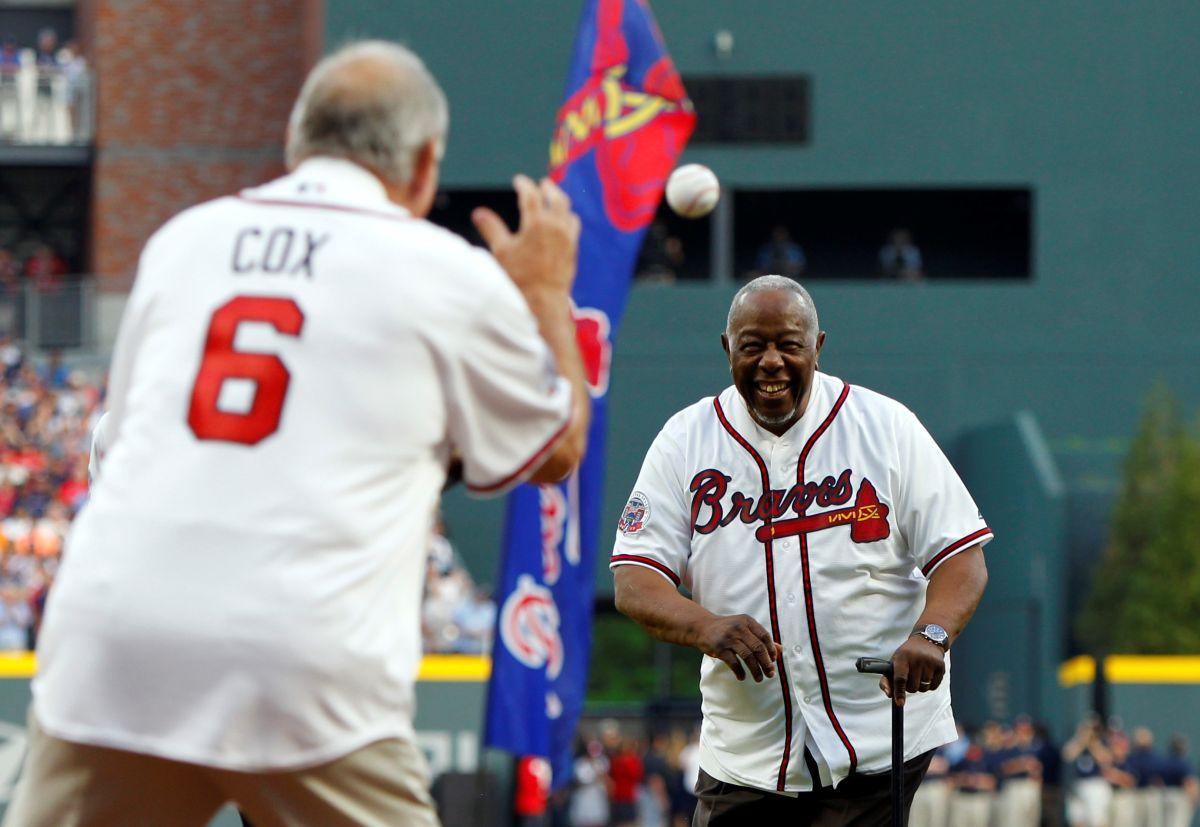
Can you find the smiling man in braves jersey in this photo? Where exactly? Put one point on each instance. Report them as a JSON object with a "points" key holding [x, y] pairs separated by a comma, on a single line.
{"points": [[814, 522]]}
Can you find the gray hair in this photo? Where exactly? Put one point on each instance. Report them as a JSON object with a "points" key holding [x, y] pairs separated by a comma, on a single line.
{"points": [[763, 283], [371, 102]]}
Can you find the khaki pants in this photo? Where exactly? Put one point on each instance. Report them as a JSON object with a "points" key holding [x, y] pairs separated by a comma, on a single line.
{"points": [[931, 804], [1177, 808], [1021, 803], [74, 785], [971, 809]]}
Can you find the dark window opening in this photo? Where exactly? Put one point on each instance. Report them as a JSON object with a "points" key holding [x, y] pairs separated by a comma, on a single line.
{"points": [[729, 110], [893, 234]]}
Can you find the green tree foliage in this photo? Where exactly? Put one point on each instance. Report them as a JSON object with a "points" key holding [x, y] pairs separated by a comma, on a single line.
{"points": [[1146, 593]]}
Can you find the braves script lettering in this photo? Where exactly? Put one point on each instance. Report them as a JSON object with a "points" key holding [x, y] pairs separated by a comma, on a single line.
{"points": [[710, 487]]}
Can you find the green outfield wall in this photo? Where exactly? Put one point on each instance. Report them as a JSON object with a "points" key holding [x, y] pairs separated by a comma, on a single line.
{"points": [[1092, 106]]}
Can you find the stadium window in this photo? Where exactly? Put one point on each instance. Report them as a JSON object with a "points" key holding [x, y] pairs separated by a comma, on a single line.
{"points": [[958, 233], [773, 109], [674, 249], [452, 209]]}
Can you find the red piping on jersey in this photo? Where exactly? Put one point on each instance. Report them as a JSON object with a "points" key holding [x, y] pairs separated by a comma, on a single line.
{"points": [[528, 464], [768, 555], [953, 547], [646, 561], [283, 202], [808, 599]]}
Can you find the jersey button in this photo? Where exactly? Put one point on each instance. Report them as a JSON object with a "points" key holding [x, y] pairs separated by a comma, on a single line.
{"points": [[786, 544], [797, 649], [791, 598]]}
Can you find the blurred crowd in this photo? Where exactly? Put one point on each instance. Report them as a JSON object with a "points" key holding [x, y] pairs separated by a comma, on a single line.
{"points": [[457, 615], [35, 263], [44, 91], [618, 780], [46, 418], [1001, 776]]}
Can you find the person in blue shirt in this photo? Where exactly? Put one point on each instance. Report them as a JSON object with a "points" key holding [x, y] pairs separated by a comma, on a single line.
{"points": [[780, 256], [974, 782], [1181, 789], [1088, 756], [1021, 777]]}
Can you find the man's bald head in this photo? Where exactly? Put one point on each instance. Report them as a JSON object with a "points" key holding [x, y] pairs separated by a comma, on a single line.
{"points": [[373, 103], [764, 283]]}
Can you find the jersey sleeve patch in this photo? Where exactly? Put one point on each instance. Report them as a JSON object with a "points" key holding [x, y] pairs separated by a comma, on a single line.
{"points": [[636, 514]]}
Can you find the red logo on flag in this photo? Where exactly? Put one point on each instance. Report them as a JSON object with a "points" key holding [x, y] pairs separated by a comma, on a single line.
{"points": [[593, 335]]}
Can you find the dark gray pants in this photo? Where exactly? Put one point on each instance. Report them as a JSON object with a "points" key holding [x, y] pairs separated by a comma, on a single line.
{"points": [[860, 801]]}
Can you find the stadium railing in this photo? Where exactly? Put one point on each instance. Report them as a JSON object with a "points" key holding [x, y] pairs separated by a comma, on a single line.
{"points": [[44, 317]]}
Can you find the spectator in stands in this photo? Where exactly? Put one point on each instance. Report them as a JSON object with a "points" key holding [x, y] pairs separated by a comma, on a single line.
{"points": [[532, 791], [75, 71], [1021, 777], [1146, 766], [1051, 759], [47, 48], [1181, 789], [10, 101], [626, 771], [684, 806], [661, 256], [589, 799], [657, 779], [780, 255], [1121, 777], [16, 619], [11, 357], [10, 273], [900, 258], [475, 618], [1091, 796], [974, 788], [45, 268]]}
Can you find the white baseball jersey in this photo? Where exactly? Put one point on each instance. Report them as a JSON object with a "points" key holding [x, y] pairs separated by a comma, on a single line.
{"points": [[825, 536], [99, 447], [294, 370]]}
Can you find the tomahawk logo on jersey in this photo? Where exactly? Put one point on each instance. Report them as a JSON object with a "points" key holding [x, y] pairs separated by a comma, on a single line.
{"points": [[817, 534]]}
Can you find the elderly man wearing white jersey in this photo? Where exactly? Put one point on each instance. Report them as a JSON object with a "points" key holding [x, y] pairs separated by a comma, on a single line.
{"points": [[814, 522], [237, 615]]}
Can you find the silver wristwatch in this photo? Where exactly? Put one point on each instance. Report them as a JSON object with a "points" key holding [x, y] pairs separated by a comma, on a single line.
{"points": [[934, 634]]}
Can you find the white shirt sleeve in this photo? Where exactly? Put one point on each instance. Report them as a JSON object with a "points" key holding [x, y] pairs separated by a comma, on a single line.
{"points": [[507, 403], [655, 529], [937, 515]]}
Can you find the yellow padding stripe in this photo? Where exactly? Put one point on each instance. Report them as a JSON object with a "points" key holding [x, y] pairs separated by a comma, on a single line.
{"points": [[455, 668], [444, 668], [1132, 669], [17, 664], [1077, 670]]}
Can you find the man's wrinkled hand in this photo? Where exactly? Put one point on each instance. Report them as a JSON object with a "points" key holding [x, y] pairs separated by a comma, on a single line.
{"points": [[917, 666], [738, 640], [541, 254]]}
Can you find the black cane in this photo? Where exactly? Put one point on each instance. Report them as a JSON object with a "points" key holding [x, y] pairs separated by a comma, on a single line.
{"points": [[876, 666]]}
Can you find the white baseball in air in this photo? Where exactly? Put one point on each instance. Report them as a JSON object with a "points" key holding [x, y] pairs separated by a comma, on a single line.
{"points": [[693, 190]]}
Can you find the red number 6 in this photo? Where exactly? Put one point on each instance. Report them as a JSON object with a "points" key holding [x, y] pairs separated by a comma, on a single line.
{"points": [[222, 362]]}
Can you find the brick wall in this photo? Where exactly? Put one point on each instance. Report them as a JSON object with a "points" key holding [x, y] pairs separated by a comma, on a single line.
{"points": [[193, 102]]}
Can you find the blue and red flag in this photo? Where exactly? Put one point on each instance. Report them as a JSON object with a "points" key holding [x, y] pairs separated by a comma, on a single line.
{"points": [[617, 136]]}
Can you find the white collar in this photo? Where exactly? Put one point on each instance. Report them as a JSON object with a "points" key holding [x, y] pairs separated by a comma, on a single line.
{"points": [[331, 181], [797, 432]]}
